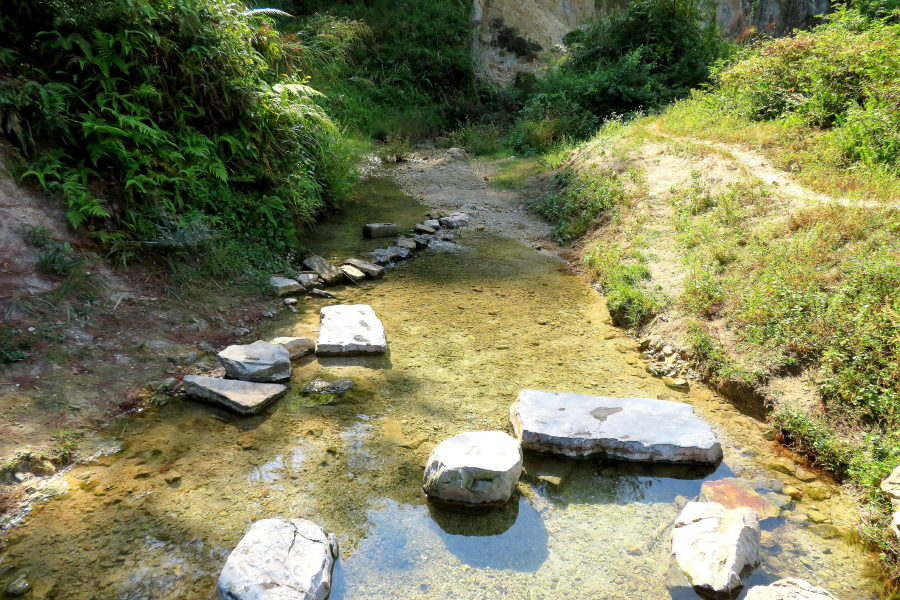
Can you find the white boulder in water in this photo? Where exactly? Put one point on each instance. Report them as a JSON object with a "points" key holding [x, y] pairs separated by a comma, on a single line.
{"points": [[280, 560], [478, 467], [260, 361], [638, 429], [788, 589], [714, 547], [350, 329]]}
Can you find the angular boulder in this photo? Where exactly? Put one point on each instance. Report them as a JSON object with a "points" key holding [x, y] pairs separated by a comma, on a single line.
{"points": [[350, 329], [244, 397], [296, 346], [284, 286], [380, 230], [891, 486], [433, 224], [462, 219], [637, 429], [329, 273], [405, 242], [260, 361], [372, 271], [477, 467], [421, 240], [788, 589], [448, 222], [714, 547], [308, 280], [734, 493], [352, 274], [385, 256], [280, 560], [422, 228]]}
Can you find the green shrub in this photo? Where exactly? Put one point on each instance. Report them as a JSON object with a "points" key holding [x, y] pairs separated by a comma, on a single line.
{"points": [[477, 138], [191, 108], [13, 345], [623, 279]]}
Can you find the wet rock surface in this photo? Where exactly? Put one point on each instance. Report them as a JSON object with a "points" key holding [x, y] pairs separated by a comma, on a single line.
{"points": [[320, 386], [329, 273], [714, 546], [734, 493], [637, 429], [244, 397], [280, 560], [481, 468], [372, 271], [788, 589], [350, 329], [259, 362]]}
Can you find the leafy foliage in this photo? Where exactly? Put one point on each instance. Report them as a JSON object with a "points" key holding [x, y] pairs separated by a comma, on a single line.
{"points": [[194, 108]]}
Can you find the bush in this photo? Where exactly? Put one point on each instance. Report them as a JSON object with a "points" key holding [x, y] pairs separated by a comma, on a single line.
{"points": [[193, 108], [477, 138]]}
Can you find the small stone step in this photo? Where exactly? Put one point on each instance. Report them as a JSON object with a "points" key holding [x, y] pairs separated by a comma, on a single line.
{"points": [[350, 329], [329, 273], [476, 468], [448, 223], [380, 230], [405, 242], [285, 287], [243, 397], [420, 228], [433, 224], [296, 346], [260, 362], [372, 271], [352, 274]]}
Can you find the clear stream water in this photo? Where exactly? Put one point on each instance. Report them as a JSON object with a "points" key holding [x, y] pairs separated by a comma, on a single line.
{"points": [[467, 331]]}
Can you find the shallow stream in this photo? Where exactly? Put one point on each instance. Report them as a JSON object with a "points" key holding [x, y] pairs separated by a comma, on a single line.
{"points": [[467, 331]]}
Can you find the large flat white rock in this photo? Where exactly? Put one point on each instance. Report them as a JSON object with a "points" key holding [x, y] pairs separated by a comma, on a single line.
{"points": [[350, 329], [638, 429], [241, 396], [280, 560], [714, 547], [788, 589], [476, 467]]}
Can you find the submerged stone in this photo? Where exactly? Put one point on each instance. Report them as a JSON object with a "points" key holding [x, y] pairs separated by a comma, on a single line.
{"points": [[244, 397], [350, 329], [329, 273], [280, 560], [714, 546], [734, 493], [788, 589], [260, 361], [320, 386], [478, 467], [638, 429]]}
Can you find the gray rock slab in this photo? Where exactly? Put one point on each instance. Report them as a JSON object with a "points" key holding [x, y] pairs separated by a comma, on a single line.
{"points": [[448, 222], [329, 273], [321, 293], [296, 346], [244, 397], [433, 224], [477, 467], [421, 240], [352, 274], [405, 242], [380, 230], [462, 219], [308, 280], [638, 429], [350, 329], [385, 256], [422, 228], [280, 560], [260, 362], [372, 271], [713, 546], [788, 589], [285, 287]]}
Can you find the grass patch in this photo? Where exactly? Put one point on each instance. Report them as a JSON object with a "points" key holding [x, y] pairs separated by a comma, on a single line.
{"points": [[624, 279], [513, 174]]}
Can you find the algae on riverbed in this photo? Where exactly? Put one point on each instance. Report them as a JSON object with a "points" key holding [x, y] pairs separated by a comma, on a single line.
{"points": [[466, 331]]}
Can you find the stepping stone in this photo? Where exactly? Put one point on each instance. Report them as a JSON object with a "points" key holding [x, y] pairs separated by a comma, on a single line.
{"points": [[284, 286], [713, 546], [352, 274], [433, 224], [244, 397], [478, 467], [409, 244], [350, 329], [329, 273], [788, 589], [421, 241], [260, 361], [296, 346], [385, 256], [380, 230], [320, 386], [638, 429], [462, 219], [734, 493], [448, 223], [421, 228], [280, 560], [322, 293], [372, 271], [308, 280]]}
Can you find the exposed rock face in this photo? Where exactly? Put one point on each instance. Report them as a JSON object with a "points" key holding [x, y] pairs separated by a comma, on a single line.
{"points": [[284, 286], [296, 346], [260, 361], [280, 560], [788, 589], [713, 546], [734, 493], [479, 467], [372, 271], [380, 230], [350, 329], [773, 17], [329, 273], [243, 397], [637, 429], [891, 487]]}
